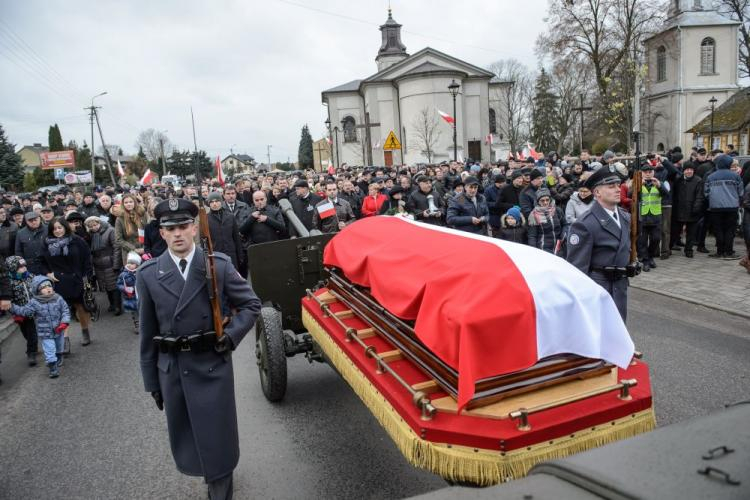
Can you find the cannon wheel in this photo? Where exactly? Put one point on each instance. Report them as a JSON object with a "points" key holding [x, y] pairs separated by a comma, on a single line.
{"points": [[270, 355]]}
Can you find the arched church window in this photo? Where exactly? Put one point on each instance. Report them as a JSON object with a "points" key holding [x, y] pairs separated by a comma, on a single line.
{"points": [[708, 56], [660, 147], [493, 122], [350, 130], [661, 64]]}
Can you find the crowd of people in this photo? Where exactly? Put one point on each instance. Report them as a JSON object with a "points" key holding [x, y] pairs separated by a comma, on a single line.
{"points": [[56, 244]]}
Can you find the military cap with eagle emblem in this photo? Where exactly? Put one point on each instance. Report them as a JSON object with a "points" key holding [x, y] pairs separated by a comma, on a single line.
{"points": [[175, 211]]}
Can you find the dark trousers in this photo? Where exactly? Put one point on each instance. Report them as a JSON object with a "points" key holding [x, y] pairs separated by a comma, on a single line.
{"points": [[28, 329], [648, 241], [221, 489], [702, 231], [724, 225], [691, 231], [666, 224]]}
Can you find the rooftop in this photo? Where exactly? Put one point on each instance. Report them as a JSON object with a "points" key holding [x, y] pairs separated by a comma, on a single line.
{"points": [[732, 115]]}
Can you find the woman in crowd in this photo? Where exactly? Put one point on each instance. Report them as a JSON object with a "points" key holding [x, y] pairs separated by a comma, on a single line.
{"points": [[103, 257], [67, 260], [375, 203], [546, 223], [579, 204], [129, 227]]}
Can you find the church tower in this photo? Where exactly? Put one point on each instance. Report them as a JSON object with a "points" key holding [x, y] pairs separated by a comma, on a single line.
{"points": [[693, 58], [392, 50]]}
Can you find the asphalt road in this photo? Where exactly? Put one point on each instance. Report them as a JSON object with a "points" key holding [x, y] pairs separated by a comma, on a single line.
{"points": [[94, 433]]}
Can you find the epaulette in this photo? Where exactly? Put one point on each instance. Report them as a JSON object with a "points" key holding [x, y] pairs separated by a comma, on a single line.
{"points": [[146, 264]]}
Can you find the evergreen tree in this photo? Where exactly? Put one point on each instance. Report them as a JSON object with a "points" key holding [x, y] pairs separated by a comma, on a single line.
{"points": [[55, 139], [305, 149], [181, 163], [11, 166], [544, 114]]}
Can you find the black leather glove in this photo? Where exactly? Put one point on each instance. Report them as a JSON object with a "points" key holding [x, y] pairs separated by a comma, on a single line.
{"points": [[158, 400], [224, 344]]}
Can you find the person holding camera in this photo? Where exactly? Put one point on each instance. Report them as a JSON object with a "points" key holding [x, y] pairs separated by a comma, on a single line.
{"points": [[649, 217], [425, 204], [265, 222]]}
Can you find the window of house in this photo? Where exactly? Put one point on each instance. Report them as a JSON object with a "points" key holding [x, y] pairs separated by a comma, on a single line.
{"points": [[708, 56], [661, 64], [350, 130], [493, 122]]}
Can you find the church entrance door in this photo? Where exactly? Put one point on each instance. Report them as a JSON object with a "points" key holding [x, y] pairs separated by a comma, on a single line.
{"points": [[475, 150], [388, 157]]}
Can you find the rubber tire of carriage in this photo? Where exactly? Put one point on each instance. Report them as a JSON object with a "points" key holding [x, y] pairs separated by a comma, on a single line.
{"points": [[270, 354]]}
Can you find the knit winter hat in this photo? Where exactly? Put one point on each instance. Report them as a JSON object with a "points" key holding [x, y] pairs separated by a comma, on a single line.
{"points": [[14, 262], [514, 212], [214, 196], [134, 258], [541, 193]]}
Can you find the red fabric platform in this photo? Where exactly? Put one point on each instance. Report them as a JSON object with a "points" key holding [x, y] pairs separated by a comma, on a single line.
{"points": [[473, 431]]}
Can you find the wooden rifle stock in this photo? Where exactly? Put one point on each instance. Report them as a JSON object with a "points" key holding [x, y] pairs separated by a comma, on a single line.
{"points": [[634, 199], [211, 282]]}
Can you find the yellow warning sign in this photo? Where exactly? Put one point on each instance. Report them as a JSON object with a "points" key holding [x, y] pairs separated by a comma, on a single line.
{"points": [[391, 142]]}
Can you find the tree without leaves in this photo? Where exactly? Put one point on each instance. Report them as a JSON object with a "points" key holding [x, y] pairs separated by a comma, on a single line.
{"points": [[739, 10], [150, 141], [11, 165], [516, 100], [426, 132], [305, 154], [568, 87]]}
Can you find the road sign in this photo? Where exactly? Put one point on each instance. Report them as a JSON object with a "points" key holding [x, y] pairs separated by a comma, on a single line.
{"points": [[57, 159], [59, 173], [391, 142]]}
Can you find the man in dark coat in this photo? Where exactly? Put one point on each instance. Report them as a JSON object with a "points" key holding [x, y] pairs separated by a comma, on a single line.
{"points": [[468, 211], [30, 243], [342, 211], [225, 234], [703, 168], [303, 204], [88, 208], [688, 203], [239, 209], [8, 231], [265, 222], [491, 195], [418, 203], [527, 197], [508, 197], [599, 241], [187, 370]]}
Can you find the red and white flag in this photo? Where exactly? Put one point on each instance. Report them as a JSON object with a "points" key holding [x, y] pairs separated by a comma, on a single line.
{"points": [[326, 209], [445, 116], [483, 320], [219, 171], [120, 171], [488, 139], [529, 151], [148, 177]]}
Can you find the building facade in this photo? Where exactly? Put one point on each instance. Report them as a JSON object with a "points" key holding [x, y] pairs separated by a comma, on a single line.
{"points": [[692, 59], [406, 97], [30, 156], [238, 163]]}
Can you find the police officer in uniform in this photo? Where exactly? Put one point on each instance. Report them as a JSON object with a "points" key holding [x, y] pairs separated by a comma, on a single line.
{"points": [[185, 368], [599, 241]]}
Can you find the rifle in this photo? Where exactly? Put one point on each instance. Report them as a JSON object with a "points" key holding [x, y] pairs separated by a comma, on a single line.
{"points": [[634, 267], [207, 246]]}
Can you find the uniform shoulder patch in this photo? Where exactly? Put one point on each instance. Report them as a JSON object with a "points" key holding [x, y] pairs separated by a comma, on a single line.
{"points": [[574, 239]]}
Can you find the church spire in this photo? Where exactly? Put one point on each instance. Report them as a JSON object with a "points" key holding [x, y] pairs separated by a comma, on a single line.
{"points": [[392, 49]]}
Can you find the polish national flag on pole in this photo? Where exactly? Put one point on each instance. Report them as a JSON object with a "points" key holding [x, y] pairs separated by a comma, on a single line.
{"points": [[219, 171], [488, 139], [530, 151], [326, 209], [490, 320], [120, 171], [445, 116], [148, 177]]}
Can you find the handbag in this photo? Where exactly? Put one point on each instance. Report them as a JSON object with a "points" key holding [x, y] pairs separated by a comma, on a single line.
{"points": [[89, 300]]}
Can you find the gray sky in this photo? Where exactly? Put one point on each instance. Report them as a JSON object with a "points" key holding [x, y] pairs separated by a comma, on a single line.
{"points": [[252, 71]]}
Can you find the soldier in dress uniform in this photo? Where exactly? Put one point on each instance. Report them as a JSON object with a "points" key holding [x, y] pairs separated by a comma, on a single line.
{"points": [[187, 370], [599, 241]]}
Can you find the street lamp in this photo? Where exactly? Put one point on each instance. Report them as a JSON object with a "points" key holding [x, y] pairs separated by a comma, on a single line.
{"points": [[330, 135], [453, 89], [713, 101]]}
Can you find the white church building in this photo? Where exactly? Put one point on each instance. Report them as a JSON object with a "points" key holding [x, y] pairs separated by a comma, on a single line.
{"points": [[692, 59], [404, 91]]}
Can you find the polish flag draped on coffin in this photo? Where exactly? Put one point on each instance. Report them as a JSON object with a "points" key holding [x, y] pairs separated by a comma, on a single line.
{"points": [[484, 306]]}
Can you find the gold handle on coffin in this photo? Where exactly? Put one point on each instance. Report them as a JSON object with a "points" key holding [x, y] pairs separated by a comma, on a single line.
{"points": [[522, 414]]}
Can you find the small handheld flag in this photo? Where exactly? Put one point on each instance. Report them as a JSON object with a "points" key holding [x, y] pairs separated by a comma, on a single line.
{"points": [[326, 209]]}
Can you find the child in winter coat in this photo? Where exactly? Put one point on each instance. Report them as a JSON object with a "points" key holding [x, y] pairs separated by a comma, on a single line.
{"points": [[513, 226], [126, 285], [51, 315], [20, 284]]}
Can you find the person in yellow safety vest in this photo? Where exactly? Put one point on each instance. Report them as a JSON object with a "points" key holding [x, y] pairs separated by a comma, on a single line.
{"points": [[649, 216]]}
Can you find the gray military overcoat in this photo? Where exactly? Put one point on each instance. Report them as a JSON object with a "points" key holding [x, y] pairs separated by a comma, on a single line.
{"points": [[594, 241], [198, 388]]}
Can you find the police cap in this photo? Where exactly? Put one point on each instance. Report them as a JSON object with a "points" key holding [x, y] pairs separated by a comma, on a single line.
{"points": [[175, 211], [607, 174]]}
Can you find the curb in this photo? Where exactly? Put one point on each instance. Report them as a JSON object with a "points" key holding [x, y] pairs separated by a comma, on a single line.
{"points": [[694, 301]]}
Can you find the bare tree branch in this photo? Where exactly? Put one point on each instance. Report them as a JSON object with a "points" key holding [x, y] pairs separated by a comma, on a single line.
{"points": [[426, 132]]}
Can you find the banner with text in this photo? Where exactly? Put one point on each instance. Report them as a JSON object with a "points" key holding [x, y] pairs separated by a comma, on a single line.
{"points": [[57, 159]]}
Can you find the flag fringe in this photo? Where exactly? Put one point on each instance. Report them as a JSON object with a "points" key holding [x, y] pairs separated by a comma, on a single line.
{"points": [[459, 463]]}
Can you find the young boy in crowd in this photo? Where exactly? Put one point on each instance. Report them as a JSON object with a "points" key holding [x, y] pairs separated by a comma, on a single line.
{"points": [[20, 283], [126, 285], [513, 227], [51, 315]]}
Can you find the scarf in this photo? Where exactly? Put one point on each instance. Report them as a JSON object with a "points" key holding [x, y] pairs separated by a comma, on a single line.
{"points": [[588, 200], [45, 299], [58, 246], [542, 215]]}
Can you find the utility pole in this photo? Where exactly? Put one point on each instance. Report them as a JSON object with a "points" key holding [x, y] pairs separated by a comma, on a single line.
{"points": [[268, 152], [104, 146], [92, 109], [580, 110], [163, 162]]}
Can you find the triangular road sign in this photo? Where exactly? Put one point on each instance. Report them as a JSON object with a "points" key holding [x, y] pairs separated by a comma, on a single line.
{"points": [[391, 142]]}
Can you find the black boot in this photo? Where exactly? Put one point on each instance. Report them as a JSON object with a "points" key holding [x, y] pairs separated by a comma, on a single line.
{"points": [[118, 303], [112, 300], [86, 340], [31, 357]]}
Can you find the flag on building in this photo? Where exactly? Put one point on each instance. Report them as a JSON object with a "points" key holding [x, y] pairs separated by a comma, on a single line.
{"points": [[148, 177], [488, 139], [445, 116], [120, 171], [530, 152], [529, 305], [219, 171], [326, 209]]}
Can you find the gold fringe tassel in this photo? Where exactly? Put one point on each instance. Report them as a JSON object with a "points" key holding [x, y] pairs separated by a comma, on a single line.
{"points": [[459, 463]]}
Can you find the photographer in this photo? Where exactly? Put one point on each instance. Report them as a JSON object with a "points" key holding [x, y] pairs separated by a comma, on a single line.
{"points": [[649, 216], [265, 222], [426, 204]]}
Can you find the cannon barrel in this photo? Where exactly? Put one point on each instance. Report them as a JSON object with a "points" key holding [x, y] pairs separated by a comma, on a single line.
{"points": [[286, 209]]}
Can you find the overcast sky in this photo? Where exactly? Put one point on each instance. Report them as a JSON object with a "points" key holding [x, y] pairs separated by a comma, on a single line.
{"points": [[252, 71]]}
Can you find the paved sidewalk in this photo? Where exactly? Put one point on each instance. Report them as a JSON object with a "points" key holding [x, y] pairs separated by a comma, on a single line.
{"points": [[716, 283]]}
